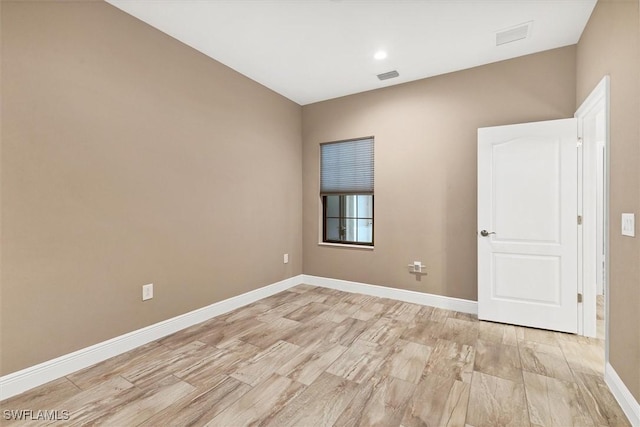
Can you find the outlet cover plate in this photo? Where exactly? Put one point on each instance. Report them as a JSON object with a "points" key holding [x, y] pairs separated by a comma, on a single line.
{"points": [[628, 225], [147, 292]]}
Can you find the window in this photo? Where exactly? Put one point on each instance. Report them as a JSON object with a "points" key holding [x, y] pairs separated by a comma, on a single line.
{"points": [[346, 189]]}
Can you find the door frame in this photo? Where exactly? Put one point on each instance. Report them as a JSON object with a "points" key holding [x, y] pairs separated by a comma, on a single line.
{"points": [[597, 101]]}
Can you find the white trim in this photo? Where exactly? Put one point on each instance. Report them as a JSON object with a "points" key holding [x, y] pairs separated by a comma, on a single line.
{"points": [[344, 245], [449, 303], [20, 381], [597, 101], [629, 405]]}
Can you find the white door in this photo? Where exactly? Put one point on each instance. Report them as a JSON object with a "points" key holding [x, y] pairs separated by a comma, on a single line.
{"points": [[527, 225]]}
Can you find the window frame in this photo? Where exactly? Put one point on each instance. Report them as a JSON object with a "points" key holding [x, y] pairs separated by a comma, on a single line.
{"points": [[343, 242], [342, 217]]}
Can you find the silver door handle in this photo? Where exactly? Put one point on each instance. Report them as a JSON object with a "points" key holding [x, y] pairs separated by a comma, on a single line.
{"points": [[485, 233]]}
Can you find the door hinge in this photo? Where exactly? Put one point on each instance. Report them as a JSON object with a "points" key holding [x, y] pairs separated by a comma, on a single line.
{"points": [[579, 298], [579, 144], [579, 219]]}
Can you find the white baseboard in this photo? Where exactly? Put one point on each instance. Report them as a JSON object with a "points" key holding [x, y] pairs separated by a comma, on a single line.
{"points": [[625, 399], [449, 303], [18, 382]]}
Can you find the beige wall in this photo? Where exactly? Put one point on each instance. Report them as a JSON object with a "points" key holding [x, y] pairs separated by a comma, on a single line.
{"points": [[609, 45], [425, 189], [129, 158]]}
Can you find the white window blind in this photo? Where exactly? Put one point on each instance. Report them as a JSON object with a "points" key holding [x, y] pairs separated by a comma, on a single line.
{"points": [[346, 167]]}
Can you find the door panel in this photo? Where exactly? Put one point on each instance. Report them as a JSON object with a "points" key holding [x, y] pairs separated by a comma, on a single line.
{"points": [[527, 200], [542, 286], [516, 166]]}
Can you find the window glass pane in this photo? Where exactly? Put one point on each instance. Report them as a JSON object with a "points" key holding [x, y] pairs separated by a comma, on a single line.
{"points": [[365, 206], [350, 206], [332, 206], [351, 230], [333, 229], [364, 231]]}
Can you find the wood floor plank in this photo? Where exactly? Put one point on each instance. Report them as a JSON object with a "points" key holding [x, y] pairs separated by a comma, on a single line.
{"points": [[107, 405], [601, 404], [307, 312], [408, 360], [339, 312], [103, 371], [464, 316], [319, 405], [347, 331], [282, 298], [190, 334], [460, 331], [247, 312], [147, 405], [403, 312], [306, 366], [47, 396], [452, 360], [267, 334], [537, 335], [259, 404], [90, 399], [359, 362], [97, 399], [435, 314], [331, 296], [149, 373], [544, 360], [359, 299], [225, 332], [309, 333], [277, 312], [498, 360], [438, 401], [354, 412], [369, 310], [495, 401], [224, 361], [497, 333], [384, 331], [425, 332], [587, 358], [553, 402], [200, 407], [301, 288], [265, 363], [382, 404], [309, 297]]}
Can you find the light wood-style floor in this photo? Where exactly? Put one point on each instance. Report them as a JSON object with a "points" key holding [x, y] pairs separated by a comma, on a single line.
{"points": [[319, 357]]}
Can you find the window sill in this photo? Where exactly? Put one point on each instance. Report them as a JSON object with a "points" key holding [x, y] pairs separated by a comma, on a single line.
{"points": [[340, 245]]}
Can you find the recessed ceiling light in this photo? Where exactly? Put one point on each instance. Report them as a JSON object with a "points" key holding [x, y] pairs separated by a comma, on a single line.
{"points": [[381, 54]]}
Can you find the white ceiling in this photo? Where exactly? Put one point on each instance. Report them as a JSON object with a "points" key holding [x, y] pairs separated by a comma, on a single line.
{"points": [[313, 50]]}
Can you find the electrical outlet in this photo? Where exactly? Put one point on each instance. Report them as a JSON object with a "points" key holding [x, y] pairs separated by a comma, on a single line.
{"points": [[147, 292], [285, 259], [628, 224]]}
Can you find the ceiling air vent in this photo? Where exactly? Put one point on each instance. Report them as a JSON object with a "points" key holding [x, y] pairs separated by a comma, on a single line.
{"points": [[519, 32], [388, 75]]}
